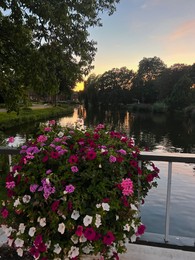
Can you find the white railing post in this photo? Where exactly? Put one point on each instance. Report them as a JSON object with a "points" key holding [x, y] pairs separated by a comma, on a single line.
{"points": [[10, 162], [168, 202]]}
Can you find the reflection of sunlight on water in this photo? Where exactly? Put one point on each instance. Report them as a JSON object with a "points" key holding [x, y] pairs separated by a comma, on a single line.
{"points": [[69, 120]]}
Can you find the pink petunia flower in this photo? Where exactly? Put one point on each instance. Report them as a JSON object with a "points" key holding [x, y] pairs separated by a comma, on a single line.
{"points": [[127, 186], [11, 139], [74, 169], [79, 231], [91, 155], [69, 188]]}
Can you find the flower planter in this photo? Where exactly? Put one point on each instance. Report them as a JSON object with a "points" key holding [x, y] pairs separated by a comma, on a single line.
{"points": [[74, 191]]}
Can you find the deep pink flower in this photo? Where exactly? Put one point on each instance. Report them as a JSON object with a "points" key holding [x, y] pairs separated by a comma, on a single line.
{"points": [[141, 230], [134, 163], [34, 252], [52, 122], [73, 159], [38, 240], [55, 205], [150, 177], [47, 129], [11, 139], [54, 155], [108, 238], [90, 233], [33, 187], [91, 155], [4, 213], [41, 139], [42, 247], [79, 231], [45, 159]]}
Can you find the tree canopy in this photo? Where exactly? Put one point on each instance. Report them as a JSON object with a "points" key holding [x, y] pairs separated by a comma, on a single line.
{"points": [[45, 46]]}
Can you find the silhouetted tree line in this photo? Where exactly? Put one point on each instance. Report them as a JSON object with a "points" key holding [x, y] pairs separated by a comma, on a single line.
{"points": [[153, 83]]}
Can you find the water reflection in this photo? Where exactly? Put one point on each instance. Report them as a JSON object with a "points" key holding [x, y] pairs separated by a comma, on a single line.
{"points": [[172, 132]]}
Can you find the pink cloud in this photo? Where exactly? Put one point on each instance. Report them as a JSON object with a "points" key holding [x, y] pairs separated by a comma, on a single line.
{"points": [[183, 30]]}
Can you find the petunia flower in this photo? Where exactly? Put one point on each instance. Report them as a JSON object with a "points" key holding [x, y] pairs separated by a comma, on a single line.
{"points": [[87, 220], [75, 215], [61, 228]]}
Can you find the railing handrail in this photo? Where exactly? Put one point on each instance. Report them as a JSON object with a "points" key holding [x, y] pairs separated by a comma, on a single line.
{"points": [[9, 150], [167, 157]]}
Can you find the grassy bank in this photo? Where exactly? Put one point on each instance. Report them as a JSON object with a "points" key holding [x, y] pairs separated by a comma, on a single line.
{"points": [[27, 115]]}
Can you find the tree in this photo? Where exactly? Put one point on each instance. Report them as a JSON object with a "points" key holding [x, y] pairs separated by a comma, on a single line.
{"points": [[143, 86], [180, 96], [48, 29]]}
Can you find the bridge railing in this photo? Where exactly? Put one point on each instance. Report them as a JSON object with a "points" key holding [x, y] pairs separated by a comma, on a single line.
{"points": [[170, 158]]}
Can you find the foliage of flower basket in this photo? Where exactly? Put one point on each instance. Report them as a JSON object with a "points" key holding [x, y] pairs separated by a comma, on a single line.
{"points": [[75, 192]]}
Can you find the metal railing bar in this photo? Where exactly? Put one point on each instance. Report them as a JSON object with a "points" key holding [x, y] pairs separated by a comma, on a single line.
{"points": [[168, 202]]}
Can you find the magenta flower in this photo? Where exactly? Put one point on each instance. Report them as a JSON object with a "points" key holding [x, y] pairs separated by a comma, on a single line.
{"points": [[79, 231], [54, 155], [10, 184], [4, 213], [112, 159], [55, 205], [91, 155], [74, 169], [47, 129], [33, 187], [11, 139], [73, 159], [108, 238], [52, 122], [41, 139], [141, 230], [134, 163], [69, 188], [127, 186], [90, 233]]}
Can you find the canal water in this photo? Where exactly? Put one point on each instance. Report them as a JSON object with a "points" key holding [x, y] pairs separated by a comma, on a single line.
{"points": [[158, 133]]}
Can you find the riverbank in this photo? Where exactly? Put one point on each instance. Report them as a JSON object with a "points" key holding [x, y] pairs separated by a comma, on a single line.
{"points": [[37, 112]]}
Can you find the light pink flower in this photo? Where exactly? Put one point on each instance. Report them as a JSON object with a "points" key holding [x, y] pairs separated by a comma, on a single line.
{"points": [[74, 169]]}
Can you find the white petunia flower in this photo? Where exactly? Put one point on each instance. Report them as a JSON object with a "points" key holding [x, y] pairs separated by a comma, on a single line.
{"points": [[7, 230], [57, 249], [87, 220], [82, 239], [133, 207], [60, 134], [133, 238], [98, 220], [105, 206], [32, 231], [48, 244], [21, 228], [42, 221], [10, 241], [74, 251], [75, 239], [98, 206], [19, 242], [75, 215], [26, 198], [126, 227], [87, 249], [17, 202], [61, 228], [117, 217], [19, 252]]}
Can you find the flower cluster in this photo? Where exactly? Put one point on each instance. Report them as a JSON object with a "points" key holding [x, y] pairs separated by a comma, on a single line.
{"points": [[75, 192]]}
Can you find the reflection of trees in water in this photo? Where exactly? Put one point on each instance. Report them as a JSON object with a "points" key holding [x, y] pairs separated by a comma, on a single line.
{"points": [[171, 131]]}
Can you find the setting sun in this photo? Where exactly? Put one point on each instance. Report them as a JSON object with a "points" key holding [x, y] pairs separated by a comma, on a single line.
{"points": [[79, 86]]}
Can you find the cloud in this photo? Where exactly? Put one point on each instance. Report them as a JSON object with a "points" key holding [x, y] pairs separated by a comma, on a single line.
{"points": [[184, 30]]}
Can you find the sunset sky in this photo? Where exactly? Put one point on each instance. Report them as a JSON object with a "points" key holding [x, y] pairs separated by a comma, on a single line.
{"points": [[145, 28]]}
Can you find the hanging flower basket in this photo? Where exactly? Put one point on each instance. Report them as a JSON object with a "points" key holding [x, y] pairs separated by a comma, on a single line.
{"points": [[75, 192]]}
